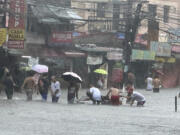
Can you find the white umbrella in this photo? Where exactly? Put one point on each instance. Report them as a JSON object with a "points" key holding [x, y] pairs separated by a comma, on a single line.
{"points": [[71, 76], [40, 68]]}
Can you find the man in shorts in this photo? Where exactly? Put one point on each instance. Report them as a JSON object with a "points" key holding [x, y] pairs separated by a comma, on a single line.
{"points": [[29, 86], [114, 94], [156, 84], [55, 89]]}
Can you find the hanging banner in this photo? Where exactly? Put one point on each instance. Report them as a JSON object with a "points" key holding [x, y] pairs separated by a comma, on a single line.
{"points": [[17, 24], [3, 34], [142, 55], [161, 49], [94, 60]]}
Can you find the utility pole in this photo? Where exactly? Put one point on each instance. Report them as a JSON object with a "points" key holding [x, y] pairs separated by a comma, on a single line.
{"points": [[130, 33]]}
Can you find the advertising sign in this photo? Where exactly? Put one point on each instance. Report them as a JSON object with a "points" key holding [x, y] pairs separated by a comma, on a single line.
{"points": [[114, 56], [17, 19], [94, 60], [120, 35], [165, 60], [3, 34], [60, 39], [163, 37], [16, 34], [175, 48], [16, 44], [17, 24], [142, 55], [161, 49]]}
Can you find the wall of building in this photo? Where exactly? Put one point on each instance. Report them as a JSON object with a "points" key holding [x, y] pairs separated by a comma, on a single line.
{"points": [[82, 7], [173, 22]]}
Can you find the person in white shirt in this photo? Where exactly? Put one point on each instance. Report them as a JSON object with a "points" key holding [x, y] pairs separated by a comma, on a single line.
{"points": [[94, 94], [149, 82], [136, 96], [55, 89]]}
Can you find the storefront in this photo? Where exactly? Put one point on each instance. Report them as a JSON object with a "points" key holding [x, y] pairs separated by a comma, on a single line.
{"points": [[141, 65], [166, 64], [115, 68]]}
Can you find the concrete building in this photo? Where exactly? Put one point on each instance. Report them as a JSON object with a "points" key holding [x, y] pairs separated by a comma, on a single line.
{"points": [[102, 15], [166, 13]]}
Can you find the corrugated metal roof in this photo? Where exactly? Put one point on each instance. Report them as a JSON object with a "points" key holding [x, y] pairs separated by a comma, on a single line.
{"points": [[47, 13]]}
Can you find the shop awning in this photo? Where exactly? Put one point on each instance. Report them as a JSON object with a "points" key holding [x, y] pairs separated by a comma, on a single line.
{"points": [[94, 48], [44, 52], [74, 54]]}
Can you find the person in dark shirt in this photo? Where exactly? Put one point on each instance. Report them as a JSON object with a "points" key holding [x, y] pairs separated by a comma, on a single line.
{"points": [[9, 86], [43, 85]]}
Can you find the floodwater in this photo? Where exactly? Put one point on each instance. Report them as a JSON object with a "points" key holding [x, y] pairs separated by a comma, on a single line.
{"points": [[157, 117]]}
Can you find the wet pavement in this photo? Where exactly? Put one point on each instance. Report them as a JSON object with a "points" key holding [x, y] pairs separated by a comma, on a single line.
{"points": [[157, 117]]}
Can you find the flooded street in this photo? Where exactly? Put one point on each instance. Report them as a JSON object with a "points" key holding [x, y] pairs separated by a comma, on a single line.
{"points": [[19, 117]]}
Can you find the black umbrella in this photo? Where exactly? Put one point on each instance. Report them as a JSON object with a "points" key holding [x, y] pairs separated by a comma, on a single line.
{"points": [[71, 77]]}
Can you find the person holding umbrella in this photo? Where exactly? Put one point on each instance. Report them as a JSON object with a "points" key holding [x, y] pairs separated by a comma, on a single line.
{"points": [[73, 92], [55, 89], [74, 85], [101, 80]]}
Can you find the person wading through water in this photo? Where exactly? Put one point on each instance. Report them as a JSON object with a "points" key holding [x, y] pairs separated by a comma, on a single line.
{"points": [[29, 86]]}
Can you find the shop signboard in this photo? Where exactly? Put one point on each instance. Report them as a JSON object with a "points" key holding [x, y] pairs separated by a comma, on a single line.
{"points": [[165, 60], [60, 39], [163, 37], [137, 54], [3, 35], [94, 60], [120, 35], [16, 20], [17, 24], [78, 34], [161, 48], [175, 48], [114, 56], [16, 34], [16, 44], [142, 55]]}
